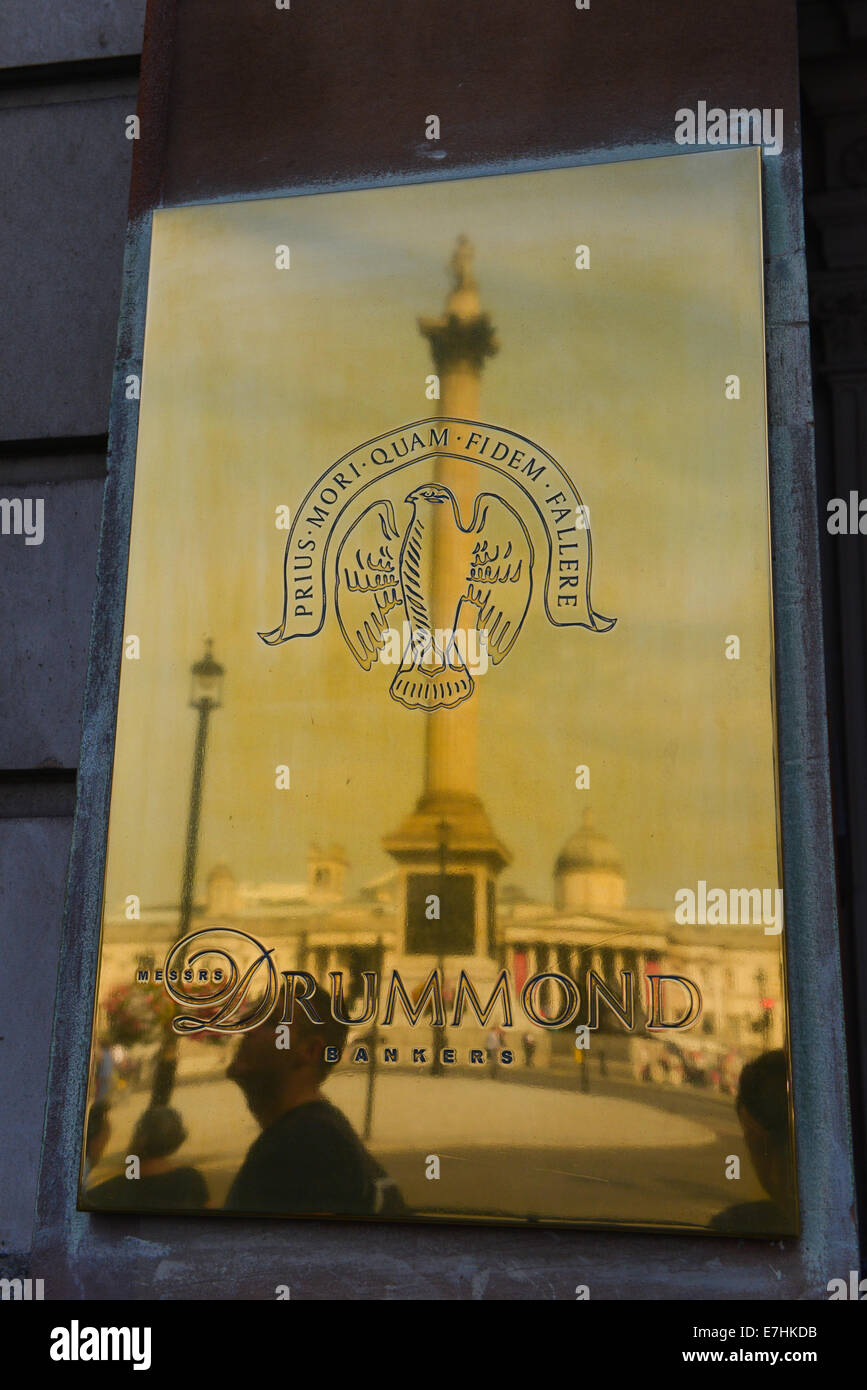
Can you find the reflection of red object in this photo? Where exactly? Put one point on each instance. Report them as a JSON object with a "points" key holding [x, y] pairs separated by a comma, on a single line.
{"points": [[520, 970], [652, 968], [134, 1013], [447, 990], [767, 1003]]}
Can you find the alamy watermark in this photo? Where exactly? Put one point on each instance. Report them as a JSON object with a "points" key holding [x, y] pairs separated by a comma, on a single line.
{"points": [[847, 516], [856, 1289], [77, 1343], [438, 647], [737, 126], [22, 1290], [23, 517], [716, 907]]}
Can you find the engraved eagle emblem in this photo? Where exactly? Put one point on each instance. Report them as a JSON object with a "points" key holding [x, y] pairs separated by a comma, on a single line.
{"points": [[481, 583]]}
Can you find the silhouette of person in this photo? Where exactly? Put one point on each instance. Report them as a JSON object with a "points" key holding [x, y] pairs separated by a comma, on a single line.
{"points": [[162, 1185], [97, 1135], [103, 1069], [308, 1157], [492, 1044], [763, 1110], [583, 1068]]}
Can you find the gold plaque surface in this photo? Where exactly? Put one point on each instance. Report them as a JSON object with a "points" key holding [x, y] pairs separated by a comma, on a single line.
{"points": [[443, 875]]}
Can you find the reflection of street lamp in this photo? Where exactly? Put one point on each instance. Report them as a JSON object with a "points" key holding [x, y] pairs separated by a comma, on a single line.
{"points": [[206, 694], [439, 1034], [373, 1041]]}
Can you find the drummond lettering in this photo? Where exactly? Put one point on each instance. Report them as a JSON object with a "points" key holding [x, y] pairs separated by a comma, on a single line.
{"points": [[248, 996]]}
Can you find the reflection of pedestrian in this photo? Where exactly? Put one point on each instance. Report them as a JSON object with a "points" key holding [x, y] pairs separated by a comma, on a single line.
{"points": [[121, 1065], [308, 1157], [103, 1069], [162, 1185], [583, 1068], [97, 1135], [492, 1043], [528, 1042]]}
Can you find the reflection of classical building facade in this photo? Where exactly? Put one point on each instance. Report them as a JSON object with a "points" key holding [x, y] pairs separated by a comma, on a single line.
{"points": [[591, 928], [316, 925]]}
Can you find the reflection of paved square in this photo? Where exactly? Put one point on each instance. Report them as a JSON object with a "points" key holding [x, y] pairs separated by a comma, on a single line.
{"points": [[420, 1111], [504, 1147], [679, 1186]]}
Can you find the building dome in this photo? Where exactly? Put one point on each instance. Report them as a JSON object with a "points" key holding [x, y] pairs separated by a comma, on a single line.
{"points": [[587, 849], [588, 874]]}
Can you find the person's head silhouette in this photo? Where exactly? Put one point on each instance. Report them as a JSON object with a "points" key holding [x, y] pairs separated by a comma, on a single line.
{"points": [[275, 1078], [763, 1110], [159, 1132]]}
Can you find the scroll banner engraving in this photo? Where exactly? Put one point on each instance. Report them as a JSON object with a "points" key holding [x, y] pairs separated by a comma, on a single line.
{"points": [[328, 509]]}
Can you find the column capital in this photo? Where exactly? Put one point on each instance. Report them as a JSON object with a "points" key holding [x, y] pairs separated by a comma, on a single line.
{"points": [[462, 334], [455, 341]]}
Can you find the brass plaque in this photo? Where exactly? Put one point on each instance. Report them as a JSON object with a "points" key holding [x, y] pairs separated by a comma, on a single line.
{"points": [[443, 870]]}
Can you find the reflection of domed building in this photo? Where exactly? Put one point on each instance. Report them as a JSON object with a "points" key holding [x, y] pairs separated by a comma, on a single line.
{"points": [[590, 926], [588, 875]]}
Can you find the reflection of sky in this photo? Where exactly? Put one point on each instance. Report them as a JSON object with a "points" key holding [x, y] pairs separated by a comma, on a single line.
{"points": [[255, 380]]}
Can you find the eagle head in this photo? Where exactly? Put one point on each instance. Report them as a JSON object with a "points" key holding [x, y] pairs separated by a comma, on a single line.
{"points": [[429, 492]]}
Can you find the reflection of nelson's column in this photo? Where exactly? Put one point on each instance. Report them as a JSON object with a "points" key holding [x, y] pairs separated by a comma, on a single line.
{"points": [[447, 846]]}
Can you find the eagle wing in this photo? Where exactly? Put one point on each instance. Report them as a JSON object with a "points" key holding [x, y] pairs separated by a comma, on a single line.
{"points": [[499, 572], [368, 583]]}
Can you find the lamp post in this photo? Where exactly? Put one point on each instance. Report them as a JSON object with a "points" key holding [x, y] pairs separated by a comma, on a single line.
{"points": [[373, 1042], [206, 694], [439, 1034]]}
